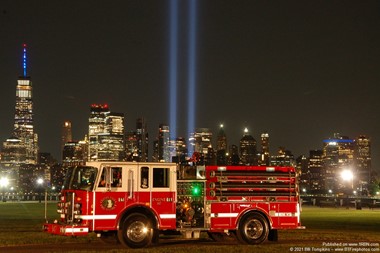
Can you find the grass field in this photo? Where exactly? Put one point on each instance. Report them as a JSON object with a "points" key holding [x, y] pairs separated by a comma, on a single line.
{"points": [[21, 223]]}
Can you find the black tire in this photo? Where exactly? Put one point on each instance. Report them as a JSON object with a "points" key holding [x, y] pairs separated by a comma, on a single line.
{"points": [[273, 235], [136, 231], [253, 229], [109, 238], [156, 236]]}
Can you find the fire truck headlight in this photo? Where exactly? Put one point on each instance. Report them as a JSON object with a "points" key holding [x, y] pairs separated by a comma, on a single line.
{"points": [[145, 230]]}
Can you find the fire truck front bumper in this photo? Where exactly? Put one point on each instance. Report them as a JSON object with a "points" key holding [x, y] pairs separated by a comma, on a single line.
{"points": [[66, 230]]}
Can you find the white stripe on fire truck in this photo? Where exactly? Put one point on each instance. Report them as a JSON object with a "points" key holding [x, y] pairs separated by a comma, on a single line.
{"points": [[76, 230], [285, 214], [97, 217], [224, 215], [167, 216]]}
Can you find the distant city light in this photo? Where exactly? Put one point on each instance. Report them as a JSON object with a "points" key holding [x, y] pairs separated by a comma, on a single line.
{"points": [[347, 175], [40, 181], [4, 182]]}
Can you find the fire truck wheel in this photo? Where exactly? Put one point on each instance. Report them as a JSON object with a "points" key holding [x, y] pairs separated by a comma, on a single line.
{"points": [[156, 236], [253, 229], [136, 231]]}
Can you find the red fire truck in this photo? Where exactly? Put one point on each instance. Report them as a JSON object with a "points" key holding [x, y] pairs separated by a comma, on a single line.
{"points": [[135, 202]]}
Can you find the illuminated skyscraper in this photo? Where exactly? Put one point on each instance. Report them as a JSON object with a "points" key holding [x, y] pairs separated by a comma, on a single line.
{"points": [[221, 139], [106, 134], [233, 157], [201, 140], [247, 149], [74, 153], [221, 147], [22, 147], [315, 172], [142, 140], [178, 150], [96, 126], [362, 154], [163, 143], [201, 143], [338, 155], [264, 158], [131, 146], [111, 142], [66, 135], [283, 157]]}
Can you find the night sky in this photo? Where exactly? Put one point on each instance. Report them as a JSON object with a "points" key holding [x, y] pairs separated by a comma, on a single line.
{"points": [[300, 70]]}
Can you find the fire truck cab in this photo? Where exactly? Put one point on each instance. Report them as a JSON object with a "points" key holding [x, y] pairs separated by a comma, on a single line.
{"points": [[133, 203]]}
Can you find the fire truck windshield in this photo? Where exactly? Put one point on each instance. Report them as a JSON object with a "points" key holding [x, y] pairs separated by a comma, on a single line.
{"points": [[80, 178]]}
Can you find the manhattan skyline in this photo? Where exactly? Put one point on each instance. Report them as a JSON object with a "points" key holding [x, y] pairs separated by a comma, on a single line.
{"points": [[299, 71]]}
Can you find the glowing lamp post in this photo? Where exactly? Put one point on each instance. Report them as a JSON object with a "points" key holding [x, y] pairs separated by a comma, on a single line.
{"points": [[4, 182], [40, 183], [348, 176]]}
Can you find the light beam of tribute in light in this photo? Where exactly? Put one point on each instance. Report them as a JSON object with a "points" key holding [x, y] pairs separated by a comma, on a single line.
{"points": [[173, 58], [191, 68]]}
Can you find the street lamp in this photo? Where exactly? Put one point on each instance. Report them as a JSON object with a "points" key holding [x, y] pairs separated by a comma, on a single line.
{"points": [[4, 182], [347, 175], [40, 183]]}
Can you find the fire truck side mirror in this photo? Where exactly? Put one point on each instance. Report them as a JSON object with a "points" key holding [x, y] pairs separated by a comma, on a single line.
{"points": [[201, 172]]}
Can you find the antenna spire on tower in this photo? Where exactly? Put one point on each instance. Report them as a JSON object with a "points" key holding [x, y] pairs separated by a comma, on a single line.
{"points": [[24, 59]]}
